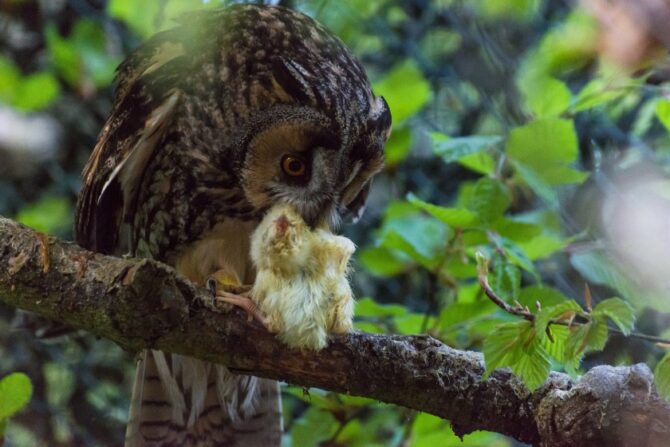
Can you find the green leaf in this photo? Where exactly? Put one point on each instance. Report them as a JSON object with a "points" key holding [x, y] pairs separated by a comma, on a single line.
{"points": [[515, 230], [591, 336], [51, 214], [405, 90], [421, 238], [563, 311], [506, 280], [398, 146], [599, 92], [27, 93], [15, 393], [480, 162], [36, 92], [663, 112], [515, 254], [546, 147], [617, 310], [546, 296], [453, 149], [367, 307], [381, 261], [662, 376], [545, 96], [314, 427], [454, 217], [489, 198], [517, 346], [598, 269]]}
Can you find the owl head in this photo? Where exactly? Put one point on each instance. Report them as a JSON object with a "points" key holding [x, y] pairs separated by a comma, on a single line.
{"points": [[318, 139]]}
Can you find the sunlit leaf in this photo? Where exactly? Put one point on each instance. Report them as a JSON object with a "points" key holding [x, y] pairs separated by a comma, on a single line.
{"points": [[517, 346], [405, 90], [563, 311], [51, 214], [15, 392], [367, 307], [547, 147], [545, 96], [662, 376], [489, 198], [381, 261], [454, 217], [617, 310], [398, 146]]}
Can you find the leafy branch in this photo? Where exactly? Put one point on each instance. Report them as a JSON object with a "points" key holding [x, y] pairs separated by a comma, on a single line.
{"points": [[529, 346], [142, 304]]}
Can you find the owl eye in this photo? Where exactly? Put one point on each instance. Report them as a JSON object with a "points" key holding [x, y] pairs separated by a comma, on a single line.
{"points": [[293, 166]]}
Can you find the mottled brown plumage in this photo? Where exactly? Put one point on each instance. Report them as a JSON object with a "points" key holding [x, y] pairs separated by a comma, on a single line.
{"points": [[192, 156]]}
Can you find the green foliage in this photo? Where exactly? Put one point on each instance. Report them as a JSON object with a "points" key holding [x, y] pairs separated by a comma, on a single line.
{"points": [[662, 376], [26, 92], [82, 58], [15, 392], [518, 346], [51, 214]]}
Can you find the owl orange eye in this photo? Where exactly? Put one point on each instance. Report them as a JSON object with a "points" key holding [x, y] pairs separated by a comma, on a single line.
{"points": [[293, 166]]}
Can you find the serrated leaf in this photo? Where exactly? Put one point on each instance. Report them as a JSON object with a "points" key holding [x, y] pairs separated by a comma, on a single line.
{"points": [[662, 376], [617, 310], [563, 311], [453, 149], [454, 217], [591, 336], [489, 198], [506, 280], [15, 392], [516, 254], [516, 345]]}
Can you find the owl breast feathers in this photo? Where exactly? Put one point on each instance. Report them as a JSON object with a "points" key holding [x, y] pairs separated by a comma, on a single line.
{"points": [[301, 282]]}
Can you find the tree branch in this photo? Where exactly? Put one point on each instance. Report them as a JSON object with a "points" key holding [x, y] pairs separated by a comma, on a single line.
{"points": [[142, 304]]}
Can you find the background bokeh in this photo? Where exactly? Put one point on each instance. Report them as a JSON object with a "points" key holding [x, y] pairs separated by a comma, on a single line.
{"points": [[530, 115]]}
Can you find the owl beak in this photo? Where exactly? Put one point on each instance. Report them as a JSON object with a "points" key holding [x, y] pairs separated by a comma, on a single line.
{"points": [[353, 211]]}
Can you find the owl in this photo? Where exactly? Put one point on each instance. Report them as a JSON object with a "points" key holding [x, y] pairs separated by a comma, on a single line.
{"points": [[230, 114], [301, 285]]}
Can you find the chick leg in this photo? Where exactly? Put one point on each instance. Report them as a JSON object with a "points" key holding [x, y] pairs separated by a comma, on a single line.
{"points": [[227, 290]]}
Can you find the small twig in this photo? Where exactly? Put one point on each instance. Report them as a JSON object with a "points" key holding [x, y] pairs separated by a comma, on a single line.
{"points": [[527, 315]]}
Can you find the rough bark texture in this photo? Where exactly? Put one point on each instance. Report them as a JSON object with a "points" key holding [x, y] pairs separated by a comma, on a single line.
{"points": [[143, 304]]}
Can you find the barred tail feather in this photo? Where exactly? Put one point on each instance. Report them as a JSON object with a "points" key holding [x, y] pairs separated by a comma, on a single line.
{"points": [[183, 401]]}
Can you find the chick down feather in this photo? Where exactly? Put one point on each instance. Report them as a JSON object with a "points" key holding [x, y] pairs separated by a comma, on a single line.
{"points": [[301, 282]]}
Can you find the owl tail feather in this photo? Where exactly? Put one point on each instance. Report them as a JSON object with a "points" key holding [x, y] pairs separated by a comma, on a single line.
{"points": [[187, 402]]}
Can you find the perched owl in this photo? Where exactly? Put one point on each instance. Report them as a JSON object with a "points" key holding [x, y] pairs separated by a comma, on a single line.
{"points": [[214, 122], [301, 283]]}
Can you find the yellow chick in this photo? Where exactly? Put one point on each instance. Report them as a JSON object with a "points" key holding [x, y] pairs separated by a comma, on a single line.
{"points": [[301, 281]]}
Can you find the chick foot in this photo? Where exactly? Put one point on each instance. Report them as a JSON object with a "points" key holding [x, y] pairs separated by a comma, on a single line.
{"points": [[228, 292]]}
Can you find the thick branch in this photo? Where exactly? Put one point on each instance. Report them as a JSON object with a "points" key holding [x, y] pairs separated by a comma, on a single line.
{"points": [[142, 304]]}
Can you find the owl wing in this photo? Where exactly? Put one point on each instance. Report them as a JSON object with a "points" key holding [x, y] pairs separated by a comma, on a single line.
{"points": [[141, 115]]}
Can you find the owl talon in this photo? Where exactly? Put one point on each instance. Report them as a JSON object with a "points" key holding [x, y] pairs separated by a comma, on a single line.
{"points": [[246, 304]]}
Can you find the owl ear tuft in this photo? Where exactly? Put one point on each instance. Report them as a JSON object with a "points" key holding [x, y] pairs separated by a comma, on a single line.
{"points": [[294, 79]]}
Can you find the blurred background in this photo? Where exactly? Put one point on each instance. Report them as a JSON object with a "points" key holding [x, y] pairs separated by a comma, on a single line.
{"points": [[546, 120]]}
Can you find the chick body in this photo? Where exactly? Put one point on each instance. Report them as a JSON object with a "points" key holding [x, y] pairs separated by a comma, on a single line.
{"points": [[301, 281]]}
